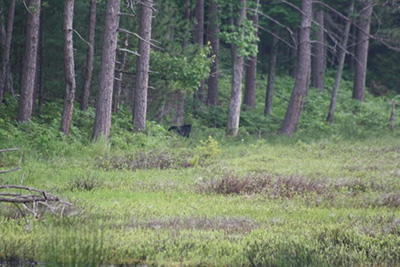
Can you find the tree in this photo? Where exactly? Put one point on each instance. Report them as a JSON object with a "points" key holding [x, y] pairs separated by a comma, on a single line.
{"points": [[300, 89], [142, 68], [102, 124], [69, 67], [118, 82], [251, 71], [179, 95], [362, 51], [213, 31], [198, 38], [294, 51], [342, 56], [5, 72], [271, 77], [29, 64], [237, 75], [318, 59], [89, 56]]}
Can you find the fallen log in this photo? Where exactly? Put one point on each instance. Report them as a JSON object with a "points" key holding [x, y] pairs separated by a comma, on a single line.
{"points": [[32, 199]]}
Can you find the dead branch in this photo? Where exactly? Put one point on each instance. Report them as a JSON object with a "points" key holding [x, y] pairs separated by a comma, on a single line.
{"points": [[32, 199], [138, 36], [19, 163], [9, 149], [129, 51]]}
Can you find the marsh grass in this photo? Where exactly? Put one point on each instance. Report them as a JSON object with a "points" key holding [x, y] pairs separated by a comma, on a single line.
{"points": [[329, 196]]}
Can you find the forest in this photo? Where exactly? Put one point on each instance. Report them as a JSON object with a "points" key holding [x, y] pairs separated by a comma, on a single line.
{"points": [[200, 132]]}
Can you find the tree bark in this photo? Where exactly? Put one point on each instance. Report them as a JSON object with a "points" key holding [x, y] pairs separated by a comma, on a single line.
{"points": [[271, 77], [41, 62], [342, 56], [237, 76], [186, 18], [180, 95], [300, 89], [294, 55], [198, 38], [142, 69], [69, 67], [179, 108], [89, 56], [362, 52], [213, 37], [251, 72], [102, 124], [5, 75], [29, 64], [2, 52], [118, 82], [318, 59]]}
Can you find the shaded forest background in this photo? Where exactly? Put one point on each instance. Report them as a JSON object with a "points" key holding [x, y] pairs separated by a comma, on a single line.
{"points": [[209, 64]]}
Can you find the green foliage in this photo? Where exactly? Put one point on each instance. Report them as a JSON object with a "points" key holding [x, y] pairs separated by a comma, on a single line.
{"points": [[208, 148], [182, 73], [244, 37]]}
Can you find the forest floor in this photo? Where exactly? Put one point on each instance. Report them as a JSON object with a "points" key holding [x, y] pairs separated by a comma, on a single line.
{"points": [[259, 203]]}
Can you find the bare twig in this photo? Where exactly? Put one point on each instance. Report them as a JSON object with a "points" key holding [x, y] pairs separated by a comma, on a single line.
{"points": [[10, 170], [19, 163], [9, 149], [77, 33], [138, 36], [129, 51], [278, 23]]}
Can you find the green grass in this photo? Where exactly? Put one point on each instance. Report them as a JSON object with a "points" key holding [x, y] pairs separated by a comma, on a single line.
{"points": [[329, 196], [173, 216]]}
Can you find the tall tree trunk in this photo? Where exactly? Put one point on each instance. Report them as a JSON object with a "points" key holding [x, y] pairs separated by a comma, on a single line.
{"points": [[318, 59], [342, 56], [198, 38], [142, 69], [179, 108], [69, 67], [2, 52], [300, 89], [251, 72], [353, 49], [186, 18], [213, 37], [180, 95], [89, 56], [102, 123], [36, 80], [29, 64], [237, 76], [41, 62], [362, 52], [271, 77], [118, 82], [294, 55], [5, 75]]}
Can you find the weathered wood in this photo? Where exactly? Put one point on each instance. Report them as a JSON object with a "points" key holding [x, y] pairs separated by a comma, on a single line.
{"points": [[33, 196]]}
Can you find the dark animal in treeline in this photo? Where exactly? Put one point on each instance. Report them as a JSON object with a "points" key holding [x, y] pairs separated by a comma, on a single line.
{"points": [[183, 130]]}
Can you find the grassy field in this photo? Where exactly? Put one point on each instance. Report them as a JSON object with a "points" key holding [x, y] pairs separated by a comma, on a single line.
{"points": [[278, 202]]}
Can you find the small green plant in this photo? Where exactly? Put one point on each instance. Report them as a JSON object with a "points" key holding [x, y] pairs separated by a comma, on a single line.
{"points": [[208, 148]]}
